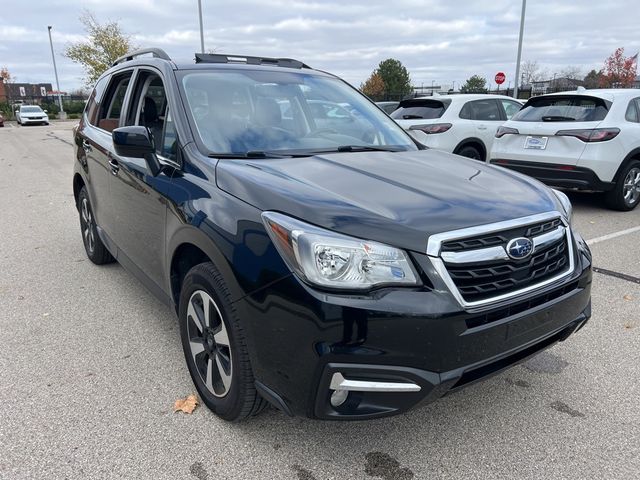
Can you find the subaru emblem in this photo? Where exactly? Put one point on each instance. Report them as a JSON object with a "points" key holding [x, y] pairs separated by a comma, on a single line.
{"points": [[520, 248]]}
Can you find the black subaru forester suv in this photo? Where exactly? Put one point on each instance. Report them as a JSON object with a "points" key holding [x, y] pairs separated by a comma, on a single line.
{"points": [[317, 257]]}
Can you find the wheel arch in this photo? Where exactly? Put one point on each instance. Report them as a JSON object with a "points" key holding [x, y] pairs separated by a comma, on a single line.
{"points": [[189, 247], [633, 155], [472, 142], [78, 183]]}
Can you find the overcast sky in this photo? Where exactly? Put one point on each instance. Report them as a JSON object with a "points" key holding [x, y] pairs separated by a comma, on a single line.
{"points": [[439, 41]]}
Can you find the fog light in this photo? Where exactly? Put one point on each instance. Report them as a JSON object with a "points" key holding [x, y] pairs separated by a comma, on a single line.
{"points": [[339, 397]]}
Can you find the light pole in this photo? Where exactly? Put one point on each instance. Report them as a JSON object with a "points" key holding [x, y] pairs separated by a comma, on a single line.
{"points": [[524, 8], [55, 71], [201, 29]]}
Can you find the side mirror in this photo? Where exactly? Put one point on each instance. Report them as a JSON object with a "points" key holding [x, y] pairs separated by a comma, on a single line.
{"points": [[45, 111], [136, 142]]}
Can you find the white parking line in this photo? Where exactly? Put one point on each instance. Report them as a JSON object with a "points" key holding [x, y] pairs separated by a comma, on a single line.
{"points": [[604, 238]]}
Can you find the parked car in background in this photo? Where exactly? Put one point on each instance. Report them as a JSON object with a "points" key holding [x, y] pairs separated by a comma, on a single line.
{"points": [[388, 107], [586, 140], [31, 114], [335, 272], [463, 124], [1, 120]]}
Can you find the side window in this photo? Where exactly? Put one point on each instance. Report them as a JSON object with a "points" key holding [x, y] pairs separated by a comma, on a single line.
{"points": [[149, 109], [111, 107], [632, 111], [510, 108], [467, 112], [93, 104], [486, 110]]}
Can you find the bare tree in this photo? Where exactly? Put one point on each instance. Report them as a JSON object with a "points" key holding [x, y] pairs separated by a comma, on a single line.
{"points": [[574, 72], [531, 72]]}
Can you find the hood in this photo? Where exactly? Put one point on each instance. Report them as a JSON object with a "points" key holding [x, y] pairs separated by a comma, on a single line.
{"points": [[398, 198]]}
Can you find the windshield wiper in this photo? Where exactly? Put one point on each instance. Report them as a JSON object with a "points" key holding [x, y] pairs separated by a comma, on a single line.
{"points": [[557, 118], [249, 154]]}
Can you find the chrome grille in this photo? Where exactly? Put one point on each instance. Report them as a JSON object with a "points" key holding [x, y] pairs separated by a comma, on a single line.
{"points": [[475, 266]]}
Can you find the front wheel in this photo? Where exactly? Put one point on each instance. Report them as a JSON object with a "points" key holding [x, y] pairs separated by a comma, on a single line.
{"points": [[625, 195], [214, 346]]}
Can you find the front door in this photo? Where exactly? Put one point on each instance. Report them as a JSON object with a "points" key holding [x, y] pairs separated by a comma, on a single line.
{"points": [[139, 197]]}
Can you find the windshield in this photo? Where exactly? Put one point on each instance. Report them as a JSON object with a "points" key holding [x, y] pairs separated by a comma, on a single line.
{"points": [[248, 111], [570, 108], [30, 109]]}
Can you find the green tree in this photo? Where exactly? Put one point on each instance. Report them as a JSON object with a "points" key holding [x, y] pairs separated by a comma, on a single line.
{"points": [[105, 43], [395, 77], [474, 84], [593, 79], [374, 86]]}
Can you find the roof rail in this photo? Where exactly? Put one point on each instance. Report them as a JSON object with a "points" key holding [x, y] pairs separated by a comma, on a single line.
{"points": [[155, 52], [223, 58]]}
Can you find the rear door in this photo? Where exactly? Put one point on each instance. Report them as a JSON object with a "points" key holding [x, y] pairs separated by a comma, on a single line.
{"points": [[542, 118], [139, 197], [487, 117], [94, 142]]}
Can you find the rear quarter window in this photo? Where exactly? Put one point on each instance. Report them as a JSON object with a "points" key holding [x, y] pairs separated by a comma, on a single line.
{"points": [[558, 108], [93, 104], [420, 109]]}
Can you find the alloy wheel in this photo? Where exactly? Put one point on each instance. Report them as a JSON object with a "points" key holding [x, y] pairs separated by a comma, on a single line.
{"points": [[631, 187], [88, 226], [209, 343]]}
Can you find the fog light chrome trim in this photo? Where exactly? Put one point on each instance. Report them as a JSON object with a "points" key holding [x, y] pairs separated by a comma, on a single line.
{"points": [[338, 382]]}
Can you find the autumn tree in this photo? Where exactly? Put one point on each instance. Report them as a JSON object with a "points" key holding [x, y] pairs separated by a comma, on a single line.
{"points": [[474, 84], [395, 77], [6, 75], [619, 71], [374, 86], [105, 43]]}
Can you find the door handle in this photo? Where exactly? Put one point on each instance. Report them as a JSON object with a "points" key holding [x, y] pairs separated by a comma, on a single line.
{"points": [[482, 127], [115, 166], [86, 146]]}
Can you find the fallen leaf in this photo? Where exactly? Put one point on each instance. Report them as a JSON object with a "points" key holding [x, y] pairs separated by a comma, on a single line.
{"points": [[45, 314], [628, 326], [628, 298], [186, 405], [592, 223]]}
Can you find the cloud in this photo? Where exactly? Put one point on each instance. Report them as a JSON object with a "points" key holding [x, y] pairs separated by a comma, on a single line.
{"points": [[437, 41]]}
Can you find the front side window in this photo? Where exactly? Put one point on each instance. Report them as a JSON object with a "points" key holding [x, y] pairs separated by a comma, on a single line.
{"points": [[510, 108], [563, 108], [111, 107], [240, 111]]}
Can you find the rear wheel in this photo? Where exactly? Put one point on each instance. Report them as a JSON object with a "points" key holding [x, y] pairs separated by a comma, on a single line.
{"points": [[625, 195], [96, 251], [214, 346], [470, 151]]}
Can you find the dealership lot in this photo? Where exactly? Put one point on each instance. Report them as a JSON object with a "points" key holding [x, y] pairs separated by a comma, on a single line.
{"points": [[91, 364]]}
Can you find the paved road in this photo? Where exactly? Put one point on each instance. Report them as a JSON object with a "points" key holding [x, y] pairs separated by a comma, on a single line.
{"points": [[90, 365]]}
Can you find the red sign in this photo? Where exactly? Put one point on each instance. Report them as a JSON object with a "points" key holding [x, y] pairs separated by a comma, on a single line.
{"points": [[500, 78]]}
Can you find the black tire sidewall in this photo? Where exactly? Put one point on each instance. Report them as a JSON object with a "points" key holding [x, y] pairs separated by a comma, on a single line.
{"points": [[470, 148], [198, 278]]}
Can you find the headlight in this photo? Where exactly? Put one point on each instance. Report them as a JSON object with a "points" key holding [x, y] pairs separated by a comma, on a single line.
{"points": [[329, 259], [566, 204]]}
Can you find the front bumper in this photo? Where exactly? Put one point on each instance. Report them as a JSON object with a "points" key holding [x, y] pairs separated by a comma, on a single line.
{"points": [[300, 338], [41, 120]]}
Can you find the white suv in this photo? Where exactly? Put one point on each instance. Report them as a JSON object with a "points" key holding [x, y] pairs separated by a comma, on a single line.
{"points": [[464, 124], [587, 140]]}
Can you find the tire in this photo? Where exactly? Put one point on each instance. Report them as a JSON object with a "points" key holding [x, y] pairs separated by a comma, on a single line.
{"points": [[217, 356], [471, 152], [625, 195], [93, 246]]}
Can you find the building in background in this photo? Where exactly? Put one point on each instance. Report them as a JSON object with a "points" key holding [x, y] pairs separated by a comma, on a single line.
{"points": [[559, 84], [31, 93]]}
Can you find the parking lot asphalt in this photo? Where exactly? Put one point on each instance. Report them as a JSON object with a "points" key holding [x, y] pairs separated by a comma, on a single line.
{"points": [[91, 364]]}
